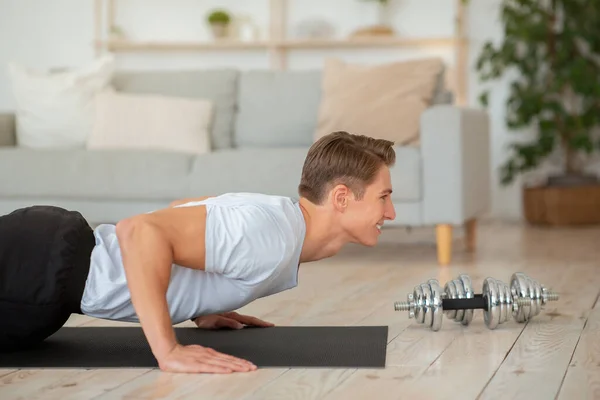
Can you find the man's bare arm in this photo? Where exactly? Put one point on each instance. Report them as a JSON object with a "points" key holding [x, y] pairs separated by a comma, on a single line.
{"points": [[150, 244], [148, 273], [188, 200]]}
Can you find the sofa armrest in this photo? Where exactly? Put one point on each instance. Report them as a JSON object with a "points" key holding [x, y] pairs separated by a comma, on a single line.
{"points": [[7, 129], [455, 144]]}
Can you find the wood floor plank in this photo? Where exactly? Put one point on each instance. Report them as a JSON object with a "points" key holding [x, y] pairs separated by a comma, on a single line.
{"points": [[535, 366], [64, 383], [302, 384], [160, 385], [236, 386], [380, 384], [582, 379]]}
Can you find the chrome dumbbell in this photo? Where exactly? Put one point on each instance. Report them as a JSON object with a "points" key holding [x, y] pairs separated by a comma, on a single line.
{"points": [[524, 286], [428, 302]]}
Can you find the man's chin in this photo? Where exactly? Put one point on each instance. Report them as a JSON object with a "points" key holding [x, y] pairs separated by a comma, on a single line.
{"points": [[369, 243]]}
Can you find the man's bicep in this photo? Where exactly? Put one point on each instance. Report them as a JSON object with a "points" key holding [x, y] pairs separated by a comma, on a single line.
{"points": [[184, 228]]}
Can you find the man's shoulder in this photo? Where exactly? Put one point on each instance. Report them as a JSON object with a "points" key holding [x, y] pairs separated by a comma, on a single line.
{"points": [[256, 203], [251, 198], [262, 214], [255, 235]]}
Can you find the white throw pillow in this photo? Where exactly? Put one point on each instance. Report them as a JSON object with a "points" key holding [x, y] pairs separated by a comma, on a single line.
{"points": [[56, 109], [151, 122]]}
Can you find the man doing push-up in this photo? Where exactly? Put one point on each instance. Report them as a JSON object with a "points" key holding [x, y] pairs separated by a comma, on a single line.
{"points": [[198, 259]]}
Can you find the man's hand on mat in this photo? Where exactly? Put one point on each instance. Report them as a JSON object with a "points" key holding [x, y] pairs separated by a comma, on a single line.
{"points": [[199, 359], [231, 320]]}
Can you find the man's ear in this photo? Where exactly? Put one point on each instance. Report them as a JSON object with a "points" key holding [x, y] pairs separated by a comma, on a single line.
{"points": [[340, 196]]}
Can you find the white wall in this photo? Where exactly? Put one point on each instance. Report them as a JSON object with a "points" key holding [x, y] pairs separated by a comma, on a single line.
{"points": [[59, 33]]}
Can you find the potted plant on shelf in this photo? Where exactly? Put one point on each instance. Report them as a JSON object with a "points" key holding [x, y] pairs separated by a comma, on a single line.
{"points": [[554, 46], [219, 22]]}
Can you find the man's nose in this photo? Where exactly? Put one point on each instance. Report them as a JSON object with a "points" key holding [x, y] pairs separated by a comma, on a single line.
{"points": [[390, 212]]}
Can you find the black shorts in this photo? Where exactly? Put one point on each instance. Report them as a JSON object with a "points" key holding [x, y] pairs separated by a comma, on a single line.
{"points": [[44, 262]]}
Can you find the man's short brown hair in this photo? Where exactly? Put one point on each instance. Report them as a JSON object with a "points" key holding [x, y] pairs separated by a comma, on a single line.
{"points": [[343, 158]]}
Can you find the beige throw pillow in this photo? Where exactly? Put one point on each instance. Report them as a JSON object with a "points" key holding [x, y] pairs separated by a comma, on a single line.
{"points": [[151, 122], [380, 101]]}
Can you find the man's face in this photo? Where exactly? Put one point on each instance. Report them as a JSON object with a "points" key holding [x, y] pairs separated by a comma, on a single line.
{"points": [[362, 219]]}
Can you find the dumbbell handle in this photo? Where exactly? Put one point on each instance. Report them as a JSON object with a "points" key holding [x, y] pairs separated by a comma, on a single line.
{"points": [[477, 302]]}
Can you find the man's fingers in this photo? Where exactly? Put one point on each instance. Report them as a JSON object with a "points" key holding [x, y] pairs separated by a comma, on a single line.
{"points": [[231, 359], [219, 362], [228, 357], [235, 364], [261, 322], [223, 322], [249, 320]]}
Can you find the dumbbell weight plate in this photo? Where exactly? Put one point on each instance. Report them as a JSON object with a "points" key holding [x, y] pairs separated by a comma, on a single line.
{"points": [[469, 294], [460, 288], [499, 300], [428, 302], [426, 312], [490, 293], [419, 299], [436, 305], [452, 293], [523, 286]]}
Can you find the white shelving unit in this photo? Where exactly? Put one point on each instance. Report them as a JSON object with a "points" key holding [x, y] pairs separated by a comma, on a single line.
{"points": [[277, 45]]}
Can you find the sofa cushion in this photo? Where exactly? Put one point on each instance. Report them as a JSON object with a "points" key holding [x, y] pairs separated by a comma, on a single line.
{"points": [[269, 170], [383, 101], [219, 86], [8, 129], [277, 108], [406, 174], [56, 110], [151, 122], [94, 174]]}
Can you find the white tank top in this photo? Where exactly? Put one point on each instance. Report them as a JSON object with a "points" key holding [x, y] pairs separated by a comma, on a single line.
{"points": [[253, 246]]}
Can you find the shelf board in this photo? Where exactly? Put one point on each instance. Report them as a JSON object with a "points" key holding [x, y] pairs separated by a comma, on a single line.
{"points": [[381, 41], [126, 45], [224, 44]]}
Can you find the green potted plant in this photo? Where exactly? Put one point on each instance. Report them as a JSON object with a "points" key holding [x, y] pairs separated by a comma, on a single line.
{"points": [[219, 22], [554, 48]]}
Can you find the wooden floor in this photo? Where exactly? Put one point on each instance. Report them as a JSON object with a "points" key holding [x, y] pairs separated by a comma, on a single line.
{"points": [[557, 355]]}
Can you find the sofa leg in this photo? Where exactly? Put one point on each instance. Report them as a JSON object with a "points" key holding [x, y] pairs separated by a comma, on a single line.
{"points": [[470, 234], [444, 243]]}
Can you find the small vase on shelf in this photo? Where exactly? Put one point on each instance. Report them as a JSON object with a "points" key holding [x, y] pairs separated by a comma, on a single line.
{"points": [[383, 25]]}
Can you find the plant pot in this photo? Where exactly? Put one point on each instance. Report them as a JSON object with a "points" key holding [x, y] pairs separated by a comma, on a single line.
{"points": [[563, 201], [219, 31]]}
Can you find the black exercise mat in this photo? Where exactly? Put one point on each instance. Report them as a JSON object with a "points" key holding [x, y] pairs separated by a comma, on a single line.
{"points": [[126, 347]]}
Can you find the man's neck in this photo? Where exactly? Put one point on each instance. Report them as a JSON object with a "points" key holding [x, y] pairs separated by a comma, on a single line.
{"points": [[322, 240]]}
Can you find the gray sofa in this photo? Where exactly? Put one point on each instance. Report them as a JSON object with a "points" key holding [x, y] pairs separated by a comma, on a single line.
{"points": [[262, 130]]}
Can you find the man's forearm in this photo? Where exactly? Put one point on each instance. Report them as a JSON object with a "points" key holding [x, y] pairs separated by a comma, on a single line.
{"points": [[147, 259]]}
